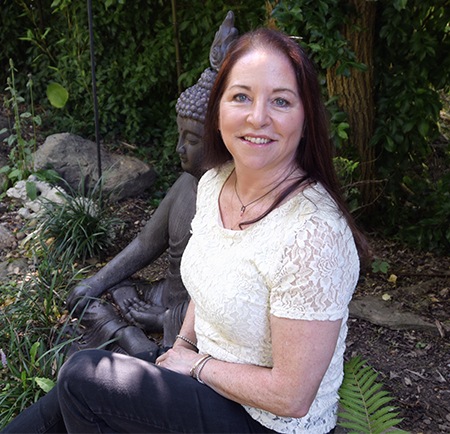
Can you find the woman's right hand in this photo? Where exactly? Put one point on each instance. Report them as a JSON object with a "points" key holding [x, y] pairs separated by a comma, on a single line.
{"points": [[179, 359]]}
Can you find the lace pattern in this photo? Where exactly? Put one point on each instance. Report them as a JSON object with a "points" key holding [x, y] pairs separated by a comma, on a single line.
{"points": [[299, 262]]}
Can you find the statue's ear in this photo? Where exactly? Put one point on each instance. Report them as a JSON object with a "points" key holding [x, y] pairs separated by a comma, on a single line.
{"points": [[224, 37]]}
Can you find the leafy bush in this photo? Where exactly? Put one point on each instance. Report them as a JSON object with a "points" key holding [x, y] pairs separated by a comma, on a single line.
{"points": [[411, 66], [32, 341], [79, 227], [21, 145]]}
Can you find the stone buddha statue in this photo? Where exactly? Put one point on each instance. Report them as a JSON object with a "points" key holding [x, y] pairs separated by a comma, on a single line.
{"points": [[139, 309]]}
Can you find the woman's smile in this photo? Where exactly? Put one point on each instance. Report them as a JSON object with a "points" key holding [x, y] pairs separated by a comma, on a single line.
{"points": [[257, 140]]}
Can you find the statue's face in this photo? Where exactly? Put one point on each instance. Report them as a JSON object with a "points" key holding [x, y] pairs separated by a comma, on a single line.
{"points": [[190, 145]]}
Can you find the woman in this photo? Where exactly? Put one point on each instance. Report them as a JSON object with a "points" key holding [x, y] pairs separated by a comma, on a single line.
{"points": [[270, 267]]}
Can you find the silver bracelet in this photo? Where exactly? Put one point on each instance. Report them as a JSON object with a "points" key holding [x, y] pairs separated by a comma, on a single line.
{"points": [[185, 339], [200, 367], [193, 370]]}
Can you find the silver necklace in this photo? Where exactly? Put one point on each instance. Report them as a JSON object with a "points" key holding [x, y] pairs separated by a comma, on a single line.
{"points": [[244, 207]]}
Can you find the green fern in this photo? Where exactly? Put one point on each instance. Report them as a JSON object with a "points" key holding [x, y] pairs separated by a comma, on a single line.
{"points": [[365, 407]]}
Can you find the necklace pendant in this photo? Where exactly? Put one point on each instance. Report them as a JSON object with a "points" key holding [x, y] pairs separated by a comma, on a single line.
{"points": [[242, 210]]}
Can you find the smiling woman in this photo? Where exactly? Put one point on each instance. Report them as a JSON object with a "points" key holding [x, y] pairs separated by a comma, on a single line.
{"points": [[270, 269]]}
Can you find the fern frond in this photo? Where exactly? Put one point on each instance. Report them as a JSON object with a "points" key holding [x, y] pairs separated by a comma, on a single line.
{"points": [[365, 407]]}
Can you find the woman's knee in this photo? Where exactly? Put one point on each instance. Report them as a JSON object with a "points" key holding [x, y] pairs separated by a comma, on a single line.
{"points": [[81, 367]]}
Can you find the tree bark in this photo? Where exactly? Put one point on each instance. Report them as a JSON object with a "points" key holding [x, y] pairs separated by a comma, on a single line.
{"points": [[356, 92]]}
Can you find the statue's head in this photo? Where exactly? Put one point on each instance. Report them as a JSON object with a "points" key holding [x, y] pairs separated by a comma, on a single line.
{"points": [[191, 109], [193, 102]]}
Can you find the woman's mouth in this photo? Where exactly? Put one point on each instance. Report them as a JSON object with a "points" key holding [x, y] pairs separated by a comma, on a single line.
{"points": [[257, 140]]}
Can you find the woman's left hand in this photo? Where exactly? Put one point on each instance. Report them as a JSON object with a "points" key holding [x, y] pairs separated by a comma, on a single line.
{"points": [[178, 359]]}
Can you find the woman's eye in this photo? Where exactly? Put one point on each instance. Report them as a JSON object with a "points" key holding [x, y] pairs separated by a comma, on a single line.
{"points": [[281, 102], [240, 97]]}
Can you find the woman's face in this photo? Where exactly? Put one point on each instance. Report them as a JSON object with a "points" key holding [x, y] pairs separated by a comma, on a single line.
{"points": [[261, 114], [190, 145]]}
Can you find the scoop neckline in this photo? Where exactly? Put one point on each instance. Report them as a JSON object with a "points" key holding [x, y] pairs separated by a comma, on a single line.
{"points": [[224, 173]]}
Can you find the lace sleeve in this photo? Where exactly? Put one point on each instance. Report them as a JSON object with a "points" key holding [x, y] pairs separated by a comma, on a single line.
{"points": [[319, 272]]}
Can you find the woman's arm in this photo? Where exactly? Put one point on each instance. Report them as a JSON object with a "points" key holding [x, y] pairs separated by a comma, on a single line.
{"points": [[187, 329], [183, 355], [302, 351]]}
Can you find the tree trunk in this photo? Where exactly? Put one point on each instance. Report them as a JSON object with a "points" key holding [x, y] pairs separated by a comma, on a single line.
{"points": [[356, 92]]}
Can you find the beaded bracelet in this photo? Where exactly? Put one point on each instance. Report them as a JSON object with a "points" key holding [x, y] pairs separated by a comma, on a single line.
{"points": [[185, 339]]}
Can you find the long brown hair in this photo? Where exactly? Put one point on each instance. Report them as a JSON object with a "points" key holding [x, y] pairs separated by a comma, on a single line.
{"points": [[315, 151]]}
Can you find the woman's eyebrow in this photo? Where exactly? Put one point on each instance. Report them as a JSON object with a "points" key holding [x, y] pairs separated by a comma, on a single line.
{"points": [[277, 89]]}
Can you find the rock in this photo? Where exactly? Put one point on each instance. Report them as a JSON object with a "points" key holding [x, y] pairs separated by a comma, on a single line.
{"points": [[44, 190], [18, 266], [387, 314], [7, 239], [13, 268], [75, 158]]}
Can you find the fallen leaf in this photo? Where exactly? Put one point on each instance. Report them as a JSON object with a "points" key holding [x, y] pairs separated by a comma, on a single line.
{"points": [[392, 279]]}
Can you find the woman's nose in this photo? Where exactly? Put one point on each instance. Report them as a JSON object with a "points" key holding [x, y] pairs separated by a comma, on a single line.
{"points": [[259, 114]]}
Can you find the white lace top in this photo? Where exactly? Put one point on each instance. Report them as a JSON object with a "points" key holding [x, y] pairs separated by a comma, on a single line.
{"points": [[298, 262]]}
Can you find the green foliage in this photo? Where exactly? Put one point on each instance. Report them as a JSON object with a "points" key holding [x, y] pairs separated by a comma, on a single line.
{"points": [[365, 406], [318, 24], [135, 63], [137, 82], [78, 227], [380, 266], [428, 214], [414, 64], [20, 146], [32, 337], [411, 65], [13, 22], [346, 170]]}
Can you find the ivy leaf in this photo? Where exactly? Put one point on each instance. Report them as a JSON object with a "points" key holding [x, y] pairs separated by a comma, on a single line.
{"points": [[31, 189], [400, 4], [45, 383], [57, 95], [423, 128]]}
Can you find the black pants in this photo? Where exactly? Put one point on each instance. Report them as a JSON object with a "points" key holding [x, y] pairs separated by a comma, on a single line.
{"points": [[103, 392]]}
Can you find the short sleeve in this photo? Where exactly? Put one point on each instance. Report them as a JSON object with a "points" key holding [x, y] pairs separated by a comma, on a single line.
{"points": [[319, 272]]}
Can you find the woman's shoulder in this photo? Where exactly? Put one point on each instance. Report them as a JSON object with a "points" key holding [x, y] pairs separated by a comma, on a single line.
{"points": [[216, 176], [315, 201]]}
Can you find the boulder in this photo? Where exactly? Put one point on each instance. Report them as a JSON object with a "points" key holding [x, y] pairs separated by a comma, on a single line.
{"points": [[75, 159], [387, 314]]}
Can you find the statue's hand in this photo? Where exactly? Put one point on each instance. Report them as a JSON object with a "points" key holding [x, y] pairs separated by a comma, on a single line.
{"points": [[144, 315], [81, 295]]}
